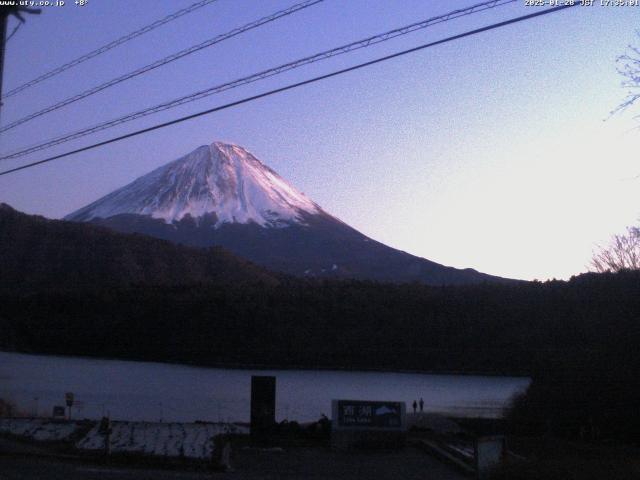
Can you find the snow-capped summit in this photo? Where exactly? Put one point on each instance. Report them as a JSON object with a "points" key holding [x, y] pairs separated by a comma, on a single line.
{"points": [[221, 179]]}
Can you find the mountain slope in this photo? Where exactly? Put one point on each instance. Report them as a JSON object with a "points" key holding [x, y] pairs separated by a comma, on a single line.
{"points": [[37, 253], [222, 195]]}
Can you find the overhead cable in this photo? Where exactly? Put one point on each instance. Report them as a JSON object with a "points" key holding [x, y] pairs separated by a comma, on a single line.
{"points": [[107, 47], [383, 37], [162, 62], [294, 85]]}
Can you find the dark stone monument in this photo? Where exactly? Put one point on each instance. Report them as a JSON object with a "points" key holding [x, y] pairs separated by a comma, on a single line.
{"points": [[263, 407]]}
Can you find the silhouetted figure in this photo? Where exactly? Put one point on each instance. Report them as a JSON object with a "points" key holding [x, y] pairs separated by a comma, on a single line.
{"points": [[415, 406], [421, 405]]}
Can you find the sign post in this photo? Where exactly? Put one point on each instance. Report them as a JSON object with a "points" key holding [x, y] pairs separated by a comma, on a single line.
{"points": [[68, 397], [369, 424]]}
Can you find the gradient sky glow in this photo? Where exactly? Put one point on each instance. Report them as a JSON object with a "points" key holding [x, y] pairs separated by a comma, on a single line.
{"points": [[490, 152]]}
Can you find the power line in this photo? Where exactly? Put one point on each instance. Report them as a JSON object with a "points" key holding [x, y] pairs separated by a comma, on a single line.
{"points": [[383, 37], [163, 61], [108, 46], [295, 85]]}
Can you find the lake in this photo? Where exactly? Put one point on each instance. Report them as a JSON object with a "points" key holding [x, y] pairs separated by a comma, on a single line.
{"points": [[156, 391]]}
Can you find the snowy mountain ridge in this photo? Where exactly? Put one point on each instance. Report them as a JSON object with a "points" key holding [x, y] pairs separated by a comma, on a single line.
{"points": [[221, 179]]}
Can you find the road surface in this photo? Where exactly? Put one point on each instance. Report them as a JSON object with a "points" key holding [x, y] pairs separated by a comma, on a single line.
{"points": [[295, 464]]}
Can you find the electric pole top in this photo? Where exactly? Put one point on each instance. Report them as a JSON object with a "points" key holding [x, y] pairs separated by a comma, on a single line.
{"points": [[5, 11]]}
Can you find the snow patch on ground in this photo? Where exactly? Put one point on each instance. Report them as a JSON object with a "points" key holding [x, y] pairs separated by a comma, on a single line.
{"points": [[39, 429], [189, 440], [169, 440]]}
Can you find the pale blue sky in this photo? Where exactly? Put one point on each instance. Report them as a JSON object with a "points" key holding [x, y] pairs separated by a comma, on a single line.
{"points": [[489, 152]]}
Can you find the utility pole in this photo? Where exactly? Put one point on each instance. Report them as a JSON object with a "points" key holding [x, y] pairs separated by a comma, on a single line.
{"points": [[17, 12], [4, 20]]}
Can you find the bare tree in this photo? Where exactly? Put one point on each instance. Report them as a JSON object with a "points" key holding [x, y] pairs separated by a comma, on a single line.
{"points": [[628, 65], [623, 253]]}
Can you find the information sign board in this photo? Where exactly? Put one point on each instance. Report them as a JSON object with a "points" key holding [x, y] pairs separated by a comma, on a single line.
{"points": [[370, 415]]}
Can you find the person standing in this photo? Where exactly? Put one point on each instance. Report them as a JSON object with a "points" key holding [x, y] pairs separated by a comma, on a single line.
{"points": [[415, 406], [421, 405]]}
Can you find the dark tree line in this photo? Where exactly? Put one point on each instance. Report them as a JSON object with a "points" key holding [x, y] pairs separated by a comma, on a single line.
{"points": [[510, 328]]}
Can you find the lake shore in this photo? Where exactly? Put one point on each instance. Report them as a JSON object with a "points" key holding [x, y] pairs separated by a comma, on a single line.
{"points": [[171, 392]]}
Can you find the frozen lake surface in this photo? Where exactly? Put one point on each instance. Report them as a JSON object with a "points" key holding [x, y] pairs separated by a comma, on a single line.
{"points": [[162, 392]]}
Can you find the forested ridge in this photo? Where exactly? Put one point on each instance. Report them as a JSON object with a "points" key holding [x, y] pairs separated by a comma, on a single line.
{"points": [[38, 254], [506, 329]]}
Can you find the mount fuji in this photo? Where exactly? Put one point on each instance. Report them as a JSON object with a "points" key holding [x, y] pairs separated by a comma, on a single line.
{"points": [[221, 194]]}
